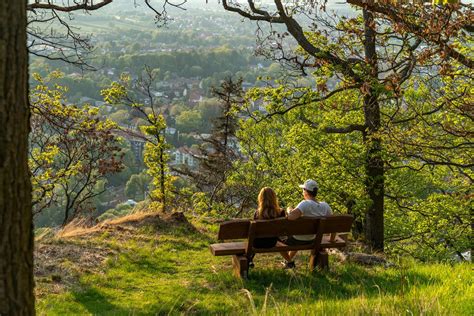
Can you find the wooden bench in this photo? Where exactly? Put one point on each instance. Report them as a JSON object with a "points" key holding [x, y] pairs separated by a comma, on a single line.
{"points": [[241, 251]]}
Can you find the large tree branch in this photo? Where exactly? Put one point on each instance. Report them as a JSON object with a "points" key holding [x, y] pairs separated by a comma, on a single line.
{"points": [[445, 162], [337, 130], [313, 100], [259, 15], [346, 129], [85, 5], [295, 29]]}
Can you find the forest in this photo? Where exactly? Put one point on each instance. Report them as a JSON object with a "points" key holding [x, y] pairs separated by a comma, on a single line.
{"points": [[132, 130]]}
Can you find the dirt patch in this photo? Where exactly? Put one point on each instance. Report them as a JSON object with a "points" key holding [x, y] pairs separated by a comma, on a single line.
{"points": [[359, 253], [62, 256], [48, 257], [59, 265]]}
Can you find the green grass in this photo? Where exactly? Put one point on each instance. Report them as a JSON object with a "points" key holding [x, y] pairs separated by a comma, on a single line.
{"points": [[169, 270]]}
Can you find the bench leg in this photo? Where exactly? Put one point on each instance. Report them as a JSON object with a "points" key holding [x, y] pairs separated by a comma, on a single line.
{"points": [[313, 261], [320, 259], [323, 260], [241, 266]]}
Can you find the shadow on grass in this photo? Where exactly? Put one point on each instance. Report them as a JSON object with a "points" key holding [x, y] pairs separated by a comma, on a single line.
{"points": [[342, 282], [185, 245], [346, 282], [149, 264], [97, 303]]}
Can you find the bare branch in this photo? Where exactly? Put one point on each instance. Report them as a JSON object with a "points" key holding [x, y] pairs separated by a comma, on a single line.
{"points": [[85, 5], [313, 100], [261, 15], [418, 30]]}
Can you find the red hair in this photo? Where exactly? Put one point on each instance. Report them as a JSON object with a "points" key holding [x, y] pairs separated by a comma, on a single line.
{"points": [[268, 207]]}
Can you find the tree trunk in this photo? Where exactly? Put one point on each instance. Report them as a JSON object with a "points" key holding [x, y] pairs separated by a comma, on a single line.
{"points": [[162, 176], [66, 209], [16, 229], [374, 219], [374, 165]]}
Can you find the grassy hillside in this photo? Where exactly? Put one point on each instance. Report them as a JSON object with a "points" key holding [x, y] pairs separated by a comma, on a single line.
{"points": [[148, 264]]}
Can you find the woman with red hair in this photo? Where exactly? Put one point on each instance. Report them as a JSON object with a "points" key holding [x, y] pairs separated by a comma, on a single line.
{"points": [[268, 208]]}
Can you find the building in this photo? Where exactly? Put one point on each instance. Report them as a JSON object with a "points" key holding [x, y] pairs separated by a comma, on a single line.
{"points": [[184, 156]]}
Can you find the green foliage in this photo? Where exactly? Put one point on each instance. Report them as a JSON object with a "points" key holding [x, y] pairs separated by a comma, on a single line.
{"points": [[137, 186], [71, 150], [119, 211], [155, 159], [209, 110], [428, 189], [155, 152], [284, 151], [374, 50], [189, 121]]}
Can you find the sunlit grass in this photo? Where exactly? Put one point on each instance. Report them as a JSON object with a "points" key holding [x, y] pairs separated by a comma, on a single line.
{"points": [[169, 270]]}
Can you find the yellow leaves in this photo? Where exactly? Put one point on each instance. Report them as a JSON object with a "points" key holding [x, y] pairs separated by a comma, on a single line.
{"points": [[43, 156], [151, 117], [316, 38], [55, 74], [93, 111], [149, 130], [443, 2], [37, 77], [108, 124], [115, 93], [125, 78]]}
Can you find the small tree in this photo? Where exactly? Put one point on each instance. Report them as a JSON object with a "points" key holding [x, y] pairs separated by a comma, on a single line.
{"points": [[71, 150], [155, 154], [217, 153]]}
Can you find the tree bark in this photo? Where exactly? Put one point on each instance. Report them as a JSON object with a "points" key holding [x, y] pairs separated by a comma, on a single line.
{"points": [[162, 163], [374, 165], [16, 228], [66, 209]]}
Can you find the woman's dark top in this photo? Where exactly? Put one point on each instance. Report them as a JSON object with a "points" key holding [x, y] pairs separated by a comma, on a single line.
{"points": [[267, 242]]}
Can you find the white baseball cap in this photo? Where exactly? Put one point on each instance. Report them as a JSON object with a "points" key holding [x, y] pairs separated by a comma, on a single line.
{"points": [[309, 185]]}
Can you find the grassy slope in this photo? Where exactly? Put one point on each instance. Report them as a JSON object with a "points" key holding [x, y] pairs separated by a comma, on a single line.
{"points": [[165, 267]]}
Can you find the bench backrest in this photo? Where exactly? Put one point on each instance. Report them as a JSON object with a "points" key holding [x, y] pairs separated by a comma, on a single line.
{"points": [[338, 224], [234, 229], [284, 227], [239, 229]]}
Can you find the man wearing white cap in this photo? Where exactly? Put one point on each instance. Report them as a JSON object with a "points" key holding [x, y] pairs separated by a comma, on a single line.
{"points": [[310, 206]]}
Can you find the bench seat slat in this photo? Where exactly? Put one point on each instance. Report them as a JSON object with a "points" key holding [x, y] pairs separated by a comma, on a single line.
{"points": [[237, 248], [228, 248]]}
